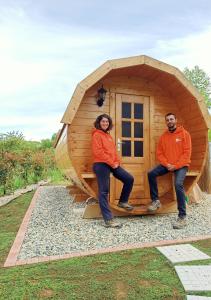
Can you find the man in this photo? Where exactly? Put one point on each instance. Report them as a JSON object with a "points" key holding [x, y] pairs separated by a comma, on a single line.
{"points": [[173, 153]]}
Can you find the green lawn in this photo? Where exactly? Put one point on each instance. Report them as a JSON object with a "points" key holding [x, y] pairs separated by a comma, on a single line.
{"points": [[135, 274]]}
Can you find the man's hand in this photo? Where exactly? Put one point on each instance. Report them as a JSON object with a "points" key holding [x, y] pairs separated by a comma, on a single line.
{"points": [[115, 166], [170, 167]]}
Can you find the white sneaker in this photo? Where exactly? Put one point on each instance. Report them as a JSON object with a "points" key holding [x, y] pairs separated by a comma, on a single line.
{"points": [[154, 205]]}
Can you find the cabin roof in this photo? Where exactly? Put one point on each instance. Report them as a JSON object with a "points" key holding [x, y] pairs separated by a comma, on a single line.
{"points": [[142, 66]]}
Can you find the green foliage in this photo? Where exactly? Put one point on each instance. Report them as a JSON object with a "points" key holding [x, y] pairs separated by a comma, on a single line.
{"points": [[56, 176], [209, 135], [23, 162], [201, 81]]}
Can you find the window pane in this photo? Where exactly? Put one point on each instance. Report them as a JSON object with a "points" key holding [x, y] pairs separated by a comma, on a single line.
{"points": [[138, 111], [126, 148], [138, 149], [126, 110], [126, 129], [138, 130]]}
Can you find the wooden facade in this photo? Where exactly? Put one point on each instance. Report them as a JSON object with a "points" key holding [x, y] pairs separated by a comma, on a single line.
{"points": [[140, 91]]}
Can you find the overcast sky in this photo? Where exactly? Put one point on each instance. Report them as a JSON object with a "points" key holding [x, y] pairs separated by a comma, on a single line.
{"points": [[47, 47]]}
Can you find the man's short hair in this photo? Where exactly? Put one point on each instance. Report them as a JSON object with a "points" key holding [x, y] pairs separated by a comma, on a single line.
{"points": [[170, 114]]}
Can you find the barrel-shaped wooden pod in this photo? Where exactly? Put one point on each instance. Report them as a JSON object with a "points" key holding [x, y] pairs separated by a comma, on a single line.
{"points": [[140, 91]]}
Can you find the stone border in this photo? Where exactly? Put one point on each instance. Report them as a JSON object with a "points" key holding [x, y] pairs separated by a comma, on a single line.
{"points": [[12, 258], [8, 198]]}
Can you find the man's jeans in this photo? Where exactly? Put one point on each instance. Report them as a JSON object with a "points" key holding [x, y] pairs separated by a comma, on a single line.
{"points": [[102, 171], [179, 177]]}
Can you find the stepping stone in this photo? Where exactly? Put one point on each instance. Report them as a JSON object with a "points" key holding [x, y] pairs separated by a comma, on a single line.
{"points": [[198, 298], [195, 278], [181, 253]]}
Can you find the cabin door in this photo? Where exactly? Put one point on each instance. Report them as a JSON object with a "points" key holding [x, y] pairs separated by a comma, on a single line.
{"points": [[132, 142]]}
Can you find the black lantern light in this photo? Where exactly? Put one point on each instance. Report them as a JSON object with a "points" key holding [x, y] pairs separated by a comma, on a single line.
{"points": [[101, 93]]}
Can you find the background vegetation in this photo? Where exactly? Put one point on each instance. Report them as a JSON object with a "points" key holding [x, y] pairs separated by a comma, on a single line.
{"points": [[201, 81], [25, 162]]}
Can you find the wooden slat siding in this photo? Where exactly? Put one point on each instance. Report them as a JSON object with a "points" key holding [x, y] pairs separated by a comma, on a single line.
{"points": [[188, 110], [198, 155], [81, 137], [95, 76], [76, 174], [166, 81], [185, 99], [89, 114], [196, 163], [195, 120], [84, 122], [84, 165], [79, 129], [152, 138], [158, 65], [198, 148], [77, 152], [125, 62], [199, 127], [63, 159], [198, 140], [73, 105], [174, 87], [205, 113], [132, 83], [93, 108], [81, 144], [198, 134]]}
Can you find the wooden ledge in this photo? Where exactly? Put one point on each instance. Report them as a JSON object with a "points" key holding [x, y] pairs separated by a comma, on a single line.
{"points": [[88, 175], [192, 173]]}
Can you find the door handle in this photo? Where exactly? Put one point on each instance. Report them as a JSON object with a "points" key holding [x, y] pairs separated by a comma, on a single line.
{"points": [[119, 142]]}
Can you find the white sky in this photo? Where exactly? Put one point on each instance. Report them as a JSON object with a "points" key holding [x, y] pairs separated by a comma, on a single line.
{"points": [[47, 47]]}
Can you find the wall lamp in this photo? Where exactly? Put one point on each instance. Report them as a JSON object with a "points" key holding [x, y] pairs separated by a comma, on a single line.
{"points": [[101, 95]]}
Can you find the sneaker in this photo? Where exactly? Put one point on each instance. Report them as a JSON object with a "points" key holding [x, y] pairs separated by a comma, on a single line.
{"points": [[154, 205], [180, 223], [125, 205], [112, 223]]}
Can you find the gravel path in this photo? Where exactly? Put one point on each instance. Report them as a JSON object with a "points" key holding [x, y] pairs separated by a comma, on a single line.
{"points": [[56, 227]]}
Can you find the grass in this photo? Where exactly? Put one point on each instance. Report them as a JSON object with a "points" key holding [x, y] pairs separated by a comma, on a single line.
{"points": [[56, 177], [135, 274]]}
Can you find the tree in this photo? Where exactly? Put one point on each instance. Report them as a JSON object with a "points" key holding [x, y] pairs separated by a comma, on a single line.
{"points": [[202, 82]]}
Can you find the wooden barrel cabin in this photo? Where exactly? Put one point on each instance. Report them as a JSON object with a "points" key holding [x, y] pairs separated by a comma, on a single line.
{"points": [[140, 91]]}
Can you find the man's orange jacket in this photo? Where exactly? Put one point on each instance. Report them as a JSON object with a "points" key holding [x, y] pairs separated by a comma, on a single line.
{"points": [[175, 148], [103, 148]]}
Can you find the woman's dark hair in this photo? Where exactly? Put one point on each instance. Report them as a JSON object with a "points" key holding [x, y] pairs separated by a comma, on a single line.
{"points": [[99, 118]]}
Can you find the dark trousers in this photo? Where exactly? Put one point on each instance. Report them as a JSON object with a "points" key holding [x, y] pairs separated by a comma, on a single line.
{"points": [[179, 177], [102, 171]]}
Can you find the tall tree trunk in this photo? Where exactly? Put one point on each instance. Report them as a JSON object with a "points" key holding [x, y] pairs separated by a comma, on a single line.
{"points": [[205, 179]]}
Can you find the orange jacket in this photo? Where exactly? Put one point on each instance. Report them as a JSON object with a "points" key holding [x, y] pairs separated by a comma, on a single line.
{"points": [[103, 148], [175, 148]]}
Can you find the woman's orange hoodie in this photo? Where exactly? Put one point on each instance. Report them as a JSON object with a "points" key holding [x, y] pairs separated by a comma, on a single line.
{"points": [[175, 148], [103, 148]]}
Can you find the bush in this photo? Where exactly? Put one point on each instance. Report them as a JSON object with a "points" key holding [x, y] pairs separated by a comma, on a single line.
{"points": [[24, 162]]}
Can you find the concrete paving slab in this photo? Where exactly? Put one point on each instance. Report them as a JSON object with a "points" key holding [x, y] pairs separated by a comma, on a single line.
{"points": [[182, 253], [195, 278], [192, 297]]}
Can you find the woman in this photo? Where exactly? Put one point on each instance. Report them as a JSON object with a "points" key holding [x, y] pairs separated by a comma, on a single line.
{"points": [[106, 161]]}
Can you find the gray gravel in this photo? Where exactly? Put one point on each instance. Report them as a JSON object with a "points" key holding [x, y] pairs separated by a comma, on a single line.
{"points": [[56, 226]]}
